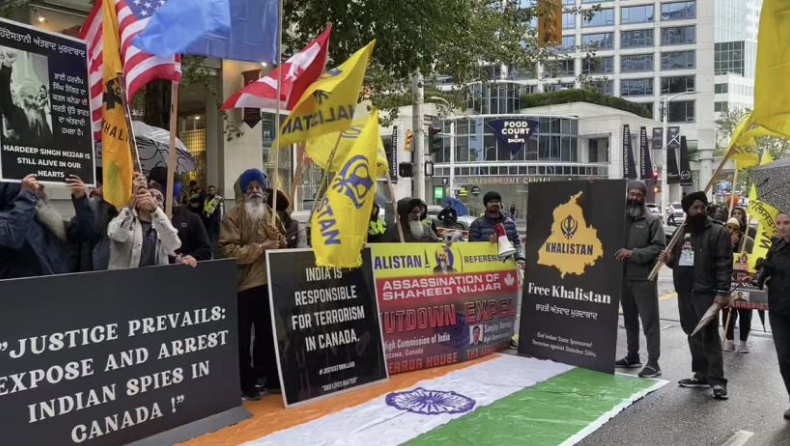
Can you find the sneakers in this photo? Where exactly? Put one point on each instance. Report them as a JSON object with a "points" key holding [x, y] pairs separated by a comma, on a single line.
{"points": [[744, 347], [720, 392], [628, 363], [650, 371], [728, 346], [250, 395], [694, 383]]}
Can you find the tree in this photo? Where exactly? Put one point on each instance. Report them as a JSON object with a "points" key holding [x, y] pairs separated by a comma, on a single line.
{"points": [[725, 127]]}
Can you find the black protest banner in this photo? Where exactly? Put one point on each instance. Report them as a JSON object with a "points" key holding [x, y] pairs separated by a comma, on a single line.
{"points": [[629, 164], [113, 357], [326, 325], [645, 162], [573, 282], [45, 115]]}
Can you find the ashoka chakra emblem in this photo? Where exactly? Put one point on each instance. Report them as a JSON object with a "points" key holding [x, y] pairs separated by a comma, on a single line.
{"points": [[430, 402]]}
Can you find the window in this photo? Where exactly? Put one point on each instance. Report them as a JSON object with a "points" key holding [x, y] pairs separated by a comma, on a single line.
{"points": [[601, 41], [636, 87], [678, 60], [681, 35], [562, 86], [721, 88], [678, 11], [636, 39], [568, 2], [729, 58], [636, 14], [602, 86], [636, 63], [604, 17], [598, 65], [681, 111], [677, 84], [568, 20], [560, 68], [720, 106], [569, 43]]}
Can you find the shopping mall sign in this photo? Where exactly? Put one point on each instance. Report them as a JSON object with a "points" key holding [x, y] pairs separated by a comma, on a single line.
{"points": [[513, 132], [521, 179]]}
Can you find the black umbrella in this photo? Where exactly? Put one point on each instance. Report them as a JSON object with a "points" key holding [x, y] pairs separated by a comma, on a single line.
{"points": [[772, 186]]}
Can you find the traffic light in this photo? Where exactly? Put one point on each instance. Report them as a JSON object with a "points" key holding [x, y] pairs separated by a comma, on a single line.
{"points": [[435, 141], [409, 139]]}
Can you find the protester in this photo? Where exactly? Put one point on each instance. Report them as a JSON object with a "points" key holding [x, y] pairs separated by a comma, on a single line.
{"points": [[213, 211], [195, 198], [448, 216], [94, 255], [416, 229], [34, 237], [142, 235], [424, 218], [776, 276], [295, 234], [702, 271], [513, 211], [740, 213], [482, 229], [376, 227], [645, 242], [717, 213], [246, 234], [735, 230]]}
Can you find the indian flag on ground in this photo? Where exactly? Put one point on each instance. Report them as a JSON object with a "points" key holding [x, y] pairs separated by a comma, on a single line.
{"points": [[497, 400]]}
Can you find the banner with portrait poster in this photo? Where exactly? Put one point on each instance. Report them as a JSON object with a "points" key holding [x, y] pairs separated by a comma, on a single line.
{"points": [[744, 295], [573, 282], [443, 304], [326, 325], [115, 357], [45, 113]]}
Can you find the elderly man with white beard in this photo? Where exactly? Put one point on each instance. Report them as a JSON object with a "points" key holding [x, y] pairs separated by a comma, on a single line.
{"points": [[26, 120], [34, 236], [246, 234]]}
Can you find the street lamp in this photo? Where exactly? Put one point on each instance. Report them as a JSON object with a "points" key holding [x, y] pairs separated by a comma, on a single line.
{"points": [[452, 142], [664, 149]]}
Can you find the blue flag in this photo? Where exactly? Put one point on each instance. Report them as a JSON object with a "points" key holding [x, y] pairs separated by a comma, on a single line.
{"points": [[179, 23], [252, 36]]}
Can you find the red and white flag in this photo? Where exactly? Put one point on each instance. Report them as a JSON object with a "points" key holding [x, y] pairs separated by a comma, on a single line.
{"points": [[301, 70], [139, 68]]}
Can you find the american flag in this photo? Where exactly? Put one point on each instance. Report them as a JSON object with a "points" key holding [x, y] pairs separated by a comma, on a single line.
{"points": [[139, 68]]}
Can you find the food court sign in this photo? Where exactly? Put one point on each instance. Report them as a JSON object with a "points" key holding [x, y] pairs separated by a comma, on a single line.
{"points": [[513, 132]]}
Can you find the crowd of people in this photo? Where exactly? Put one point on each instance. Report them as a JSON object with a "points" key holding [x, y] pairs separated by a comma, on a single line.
{"points": [[36, 240]]}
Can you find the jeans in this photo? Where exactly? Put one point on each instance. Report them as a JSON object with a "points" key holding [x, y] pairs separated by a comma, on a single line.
{"points": [[706, 356], [743, 328], [640, 300]]}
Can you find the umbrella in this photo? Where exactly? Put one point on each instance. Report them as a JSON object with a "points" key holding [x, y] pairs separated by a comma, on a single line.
{"points": [[153, 146], [771, 183], [458, 205], [706, 318]]}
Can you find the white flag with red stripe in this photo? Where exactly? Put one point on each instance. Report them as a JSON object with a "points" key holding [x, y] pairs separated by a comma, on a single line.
{"points": [[139, 68], [301, 70]]}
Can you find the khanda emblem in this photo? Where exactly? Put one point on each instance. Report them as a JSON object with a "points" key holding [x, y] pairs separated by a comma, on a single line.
{"points": [[354, 180], [569, 226], [112, 95]]}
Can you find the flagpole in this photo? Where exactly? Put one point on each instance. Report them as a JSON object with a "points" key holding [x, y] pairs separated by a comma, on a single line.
{"points": [[171, 158], [395, 207], [138, 167], [732, 194], [277, 111], [297, 176]]}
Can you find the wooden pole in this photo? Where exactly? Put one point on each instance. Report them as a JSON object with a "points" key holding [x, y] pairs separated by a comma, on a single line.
{"points": [[138, 167], [395, 207], [171, 156], [276, 146], [297, 177], [323, 184], [732, 195]]}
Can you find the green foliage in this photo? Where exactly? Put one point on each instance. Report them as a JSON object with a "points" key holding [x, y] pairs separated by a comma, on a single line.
{"points": [[591, 96], [193, 73], [725, 127], [7, 7]]}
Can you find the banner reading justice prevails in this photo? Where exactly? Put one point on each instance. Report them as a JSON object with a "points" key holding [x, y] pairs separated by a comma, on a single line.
{"points": [[572, 289], [442, 305]]}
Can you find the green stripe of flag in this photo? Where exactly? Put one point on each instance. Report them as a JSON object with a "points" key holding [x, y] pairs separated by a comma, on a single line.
{"points": [[546, 414]]}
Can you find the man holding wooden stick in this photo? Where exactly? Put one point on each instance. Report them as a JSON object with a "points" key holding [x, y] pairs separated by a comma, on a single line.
{"points": [[702, 272]]}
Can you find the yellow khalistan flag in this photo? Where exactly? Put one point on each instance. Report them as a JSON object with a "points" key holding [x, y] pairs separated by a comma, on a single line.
{"points": [[766, 216], [772, 83], [319, 149], [328, 104], [340, 223], [116, 154]]}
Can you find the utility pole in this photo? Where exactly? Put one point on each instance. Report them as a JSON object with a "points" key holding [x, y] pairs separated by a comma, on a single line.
{"points": [[419, 137]]}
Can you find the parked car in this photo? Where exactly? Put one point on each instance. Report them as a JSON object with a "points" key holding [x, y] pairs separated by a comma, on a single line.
{"points": [[654, 209], [675, 214]]}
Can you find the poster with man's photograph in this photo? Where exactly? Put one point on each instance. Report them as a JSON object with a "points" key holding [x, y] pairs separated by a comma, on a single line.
{"points": [[45, 115]]}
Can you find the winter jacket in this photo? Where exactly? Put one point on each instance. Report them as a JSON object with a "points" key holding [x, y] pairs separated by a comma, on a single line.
{"points": [[28, 248], [448, 217], [239, 236], [405, 206], [645, 237], [483, 228], [94, 255], [126, 236], [712, 261], [192, 233], [776, 274]]}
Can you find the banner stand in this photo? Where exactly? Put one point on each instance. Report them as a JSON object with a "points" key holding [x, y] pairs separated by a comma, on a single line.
{"points": [[196, 428]]}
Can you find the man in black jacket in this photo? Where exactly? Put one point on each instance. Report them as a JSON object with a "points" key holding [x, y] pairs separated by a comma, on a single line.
{"points": [[702, 272], [645, 241], [448, 216]]}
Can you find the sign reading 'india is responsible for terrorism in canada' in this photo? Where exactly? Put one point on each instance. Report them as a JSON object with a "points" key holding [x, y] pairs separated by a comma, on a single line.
{"points": [[326, 325], [572, 286]]}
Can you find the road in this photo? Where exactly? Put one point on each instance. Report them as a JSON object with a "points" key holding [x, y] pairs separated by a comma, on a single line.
{"points": [[678, 417]]}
